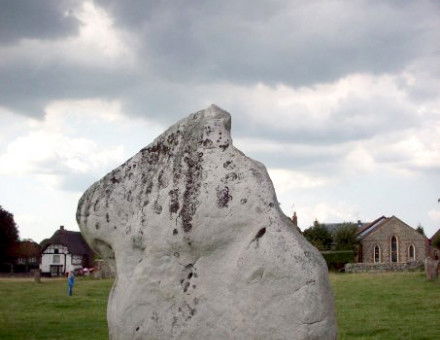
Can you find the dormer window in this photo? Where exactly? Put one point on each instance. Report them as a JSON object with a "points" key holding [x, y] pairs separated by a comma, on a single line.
{"points": [[56, 251]]}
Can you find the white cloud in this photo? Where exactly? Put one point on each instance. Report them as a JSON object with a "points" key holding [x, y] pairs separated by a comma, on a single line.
{"points": [[99, 44], [434, 215], [73, 143], [286, 180], [325, 212]]}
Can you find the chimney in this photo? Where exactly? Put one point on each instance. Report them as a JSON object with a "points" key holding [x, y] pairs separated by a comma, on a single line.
{"points": [[61, 227], [295, 219]]}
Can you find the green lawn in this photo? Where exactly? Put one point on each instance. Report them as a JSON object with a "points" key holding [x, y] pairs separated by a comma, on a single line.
{"points": [[369, 306], [44, 311], [387, 306]]}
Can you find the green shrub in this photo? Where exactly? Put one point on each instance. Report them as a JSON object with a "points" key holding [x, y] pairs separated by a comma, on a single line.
{"points": [[337, 259]]}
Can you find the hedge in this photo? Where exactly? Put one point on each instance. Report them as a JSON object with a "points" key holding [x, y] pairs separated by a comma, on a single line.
{"points": [[337, 259]]}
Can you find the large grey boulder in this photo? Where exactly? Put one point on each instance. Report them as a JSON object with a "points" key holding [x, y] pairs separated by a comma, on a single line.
{"points": [[200, 245]]}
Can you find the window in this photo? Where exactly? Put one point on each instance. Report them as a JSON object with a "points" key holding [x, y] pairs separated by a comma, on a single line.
{"points": [[56, 251], [394, 247], [411, 253], [376, 254], [56, 259], [76, 259]]}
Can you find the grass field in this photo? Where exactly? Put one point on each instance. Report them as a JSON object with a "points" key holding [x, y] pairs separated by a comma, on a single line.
{"points": [[369, 306]]}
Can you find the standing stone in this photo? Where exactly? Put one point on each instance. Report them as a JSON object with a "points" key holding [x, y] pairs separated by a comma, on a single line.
{"points": [[200, 246], [431, 268]]}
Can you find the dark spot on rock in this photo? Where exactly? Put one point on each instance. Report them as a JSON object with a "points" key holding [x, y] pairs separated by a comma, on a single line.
{"points": [[194, 286], [181, 281], [95, 205], [175, 232], [193, 311], [207, 143], [114, 180], [232, 176], [200, 154], [115, 227], [223, 197], [185, 287], [223, 146], [137, 328], [226, 164], [158, 148], [149, 188], [208, 129], [190, 275], [174, 200], [193, 176], [260, 233], [189, 266], [161, 180], [97, 226], [107, 217], [243, 201], [271, 204], [195, 274], [189, 243]]}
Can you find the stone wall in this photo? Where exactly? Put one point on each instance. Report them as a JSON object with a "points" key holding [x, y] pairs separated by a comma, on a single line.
{"points": [[405, 235], [383, 267]]}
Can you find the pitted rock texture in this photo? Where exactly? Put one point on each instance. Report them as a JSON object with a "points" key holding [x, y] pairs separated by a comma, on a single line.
{"points": [[200, 245]]}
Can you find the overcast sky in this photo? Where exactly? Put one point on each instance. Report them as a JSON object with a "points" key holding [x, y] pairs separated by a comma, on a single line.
{"points": [[339, 99]]}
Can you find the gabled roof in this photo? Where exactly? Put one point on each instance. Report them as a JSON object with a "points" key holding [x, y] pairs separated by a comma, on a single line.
{"points": [[365, 230], [73, 240], [436, 234], [362, 232]]}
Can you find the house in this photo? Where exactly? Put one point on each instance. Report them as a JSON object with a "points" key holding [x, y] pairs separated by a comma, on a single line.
{"points": [[63, 252], [23, 257], [27, 255], [435, 247], [390, 240]]}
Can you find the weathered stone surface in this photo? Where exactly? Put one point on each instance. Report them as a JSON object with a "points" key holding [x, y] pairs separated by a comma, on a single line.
{"points": [[383, 267], [200, 245], [432, 268]]}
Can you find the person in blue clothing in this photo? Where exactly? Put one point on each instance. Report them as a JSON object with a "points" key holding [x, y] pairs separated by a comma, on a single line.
{"points": [[70, 283]]}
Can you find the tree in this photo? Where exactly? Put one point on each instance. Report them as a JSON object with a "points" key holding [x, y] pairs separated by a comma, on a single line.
{"points": [[345, 237], [319, 236], [420, 230], [8, 234], [436, 241]]}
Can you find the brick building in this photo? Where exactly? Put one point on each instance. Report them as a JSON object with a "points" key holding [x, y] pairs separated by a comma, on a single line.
{"points": [[390, 240]]}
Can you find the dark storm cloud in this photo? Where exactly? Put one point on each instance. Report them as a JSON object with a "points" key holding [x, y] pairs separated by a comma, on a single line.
{"points": [[27, 88], [297, 43], [188, 52], [42, 19]]}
